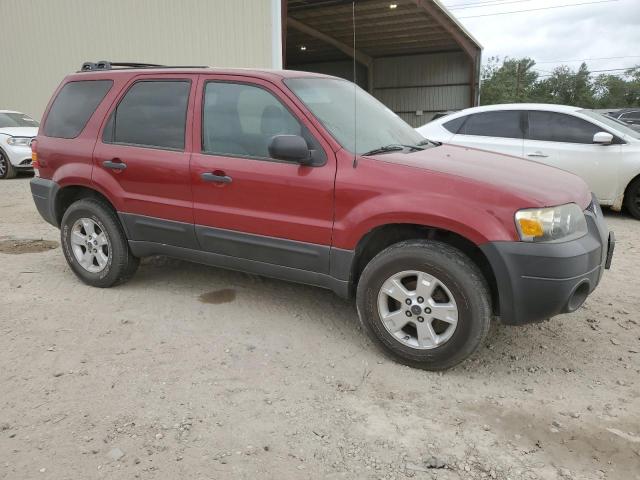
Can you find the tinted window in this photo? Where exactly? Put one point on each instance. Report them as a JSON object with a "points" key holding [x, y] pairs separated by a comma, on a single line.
{"points": [[505, 124], [151, 114], [631, 116], [240, 119], [454, 125], [73, 107], [558, 127], [11, 119]]}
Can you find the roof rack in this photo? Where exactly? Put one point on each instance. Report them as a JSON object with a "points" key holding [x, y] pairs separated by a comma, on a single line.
{"points": [[105, 65]]}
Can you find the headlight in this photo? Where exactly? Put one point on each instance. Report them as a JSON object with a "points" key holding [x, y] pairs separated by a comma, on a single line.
{"points": [[562, 223], [19, 141]]}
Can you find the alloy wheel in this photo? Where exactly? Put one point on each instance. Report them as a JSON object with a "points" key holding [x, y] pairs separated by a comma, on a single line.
{"points": [[418, 309], [90, 245]]}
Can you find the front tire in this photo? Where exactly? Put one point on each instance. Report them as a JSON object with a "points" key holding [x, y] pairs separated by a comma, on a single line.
{"points": [[425, 303], [7, 170], [632, 198], [94, 244]]}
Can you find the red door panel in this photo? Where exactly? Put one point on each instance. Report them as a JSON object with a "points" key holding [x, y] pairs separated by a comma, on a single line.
{"points": [[267, 198]]}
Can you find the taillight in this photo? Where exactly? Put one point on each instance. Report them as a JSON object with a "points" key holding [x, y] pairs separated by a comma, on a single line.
{"points": [[34, 158]]}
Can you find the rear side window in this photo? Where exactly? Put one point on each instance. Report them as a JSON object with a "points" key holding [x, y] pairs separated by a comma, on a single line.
{"points": [[631, 116], [558, 127], [73, 107], [504, 124], [152, 113], [454, 125]]}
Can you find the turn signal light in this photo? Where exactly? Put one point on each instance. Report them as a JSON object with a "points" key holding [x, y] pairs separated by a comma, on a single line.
{"points": [[531, 228]]}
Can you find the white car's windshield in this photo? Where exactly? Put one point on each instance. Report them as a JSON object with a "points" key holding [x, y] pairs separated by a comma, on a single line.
{"points": [[612, 122], [11, 119], [359, 122]]}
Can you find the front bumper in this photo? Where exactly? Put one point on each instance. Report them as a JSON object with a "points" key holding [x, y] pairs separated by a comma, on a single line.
{"points": [[44, 195], [19, 156], [536, 281]]}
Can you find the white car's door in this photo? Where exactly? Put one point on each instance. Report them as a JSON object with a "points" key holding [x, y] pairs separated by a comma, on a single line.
{"points": [[565, 141], [499, 131]]}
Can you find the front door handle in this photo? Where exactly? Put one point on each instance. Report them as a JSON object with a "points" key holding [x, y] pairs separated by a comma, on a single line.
{"points": [[212, 177], [114, 164], [538, 154]]}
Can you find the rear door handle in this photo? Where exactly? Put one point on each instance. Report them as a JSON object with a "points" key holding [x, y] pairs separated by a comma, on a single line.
{"points": [[212, 177], [537, 154], [114, 164]]}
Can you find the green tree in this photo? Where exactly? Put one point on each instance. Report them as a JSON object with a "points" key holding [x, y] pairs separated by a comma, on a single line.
{"points": [[508, 82]]}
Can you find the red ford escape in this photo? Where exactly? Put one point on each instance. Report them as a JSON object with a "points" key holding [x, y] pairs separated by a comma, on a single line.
{"points": [[271, 172]]}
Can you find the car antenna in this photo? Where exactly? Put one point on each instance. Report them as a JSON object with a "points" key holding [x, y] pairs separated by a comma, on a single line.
{"points": [[355, 86]]}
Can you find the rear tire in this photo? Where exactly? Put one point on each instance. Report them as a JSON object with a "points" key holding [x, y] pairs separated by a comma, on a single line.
{"points": [[7, 170], [632, 198], [457, 281], [98, 254]]}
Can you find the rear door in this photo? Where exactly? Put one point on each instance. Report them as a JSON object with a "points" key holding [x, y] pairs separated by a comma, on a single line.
{"points": [[142, 160], [261, 209], [566, 141], [497, 131]]}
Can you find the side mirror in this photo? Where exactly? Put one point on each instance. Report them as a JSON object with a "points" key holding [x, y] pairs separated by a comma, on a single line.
{"points": [[603, 138], [291, 148]]}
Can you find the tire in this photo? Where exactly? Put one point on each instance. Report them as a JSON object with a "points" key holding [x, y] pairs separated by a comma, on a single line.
{"points": [[7, 170], [465, 288], [120, 264], [632, 198]]}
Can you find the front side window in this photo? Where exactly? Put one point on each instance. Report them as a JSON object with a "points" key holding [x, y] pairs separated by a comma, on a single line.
{"points": [[631, 115], [503, 124], [153, 113], [73, 107], [239, 119], [559, 127], [359, 122]]}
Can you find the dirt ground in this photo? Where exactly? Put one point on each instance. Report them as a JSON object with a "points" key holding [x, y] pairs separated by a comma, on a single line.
{"points": [[193, 372]]}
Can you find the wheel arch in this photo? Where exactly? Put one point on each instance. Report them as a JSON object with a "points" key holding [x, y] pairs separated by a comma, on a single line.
{"points": [[69, 194], [383, 236], [626, 189]]}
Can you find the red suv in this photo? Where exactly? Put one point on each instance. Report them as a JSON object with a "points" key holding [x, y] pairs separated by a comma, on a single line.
{"points": [[307, 178]]}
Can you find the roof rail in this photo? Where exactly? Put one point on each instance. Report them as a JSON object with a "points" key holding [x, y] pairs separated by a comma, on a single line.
{"points": [[105, 65]]}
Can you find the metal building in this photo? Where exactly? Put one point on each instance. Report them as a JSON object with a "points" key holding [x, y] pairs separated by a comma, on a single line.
{"points": [[411, 54]]}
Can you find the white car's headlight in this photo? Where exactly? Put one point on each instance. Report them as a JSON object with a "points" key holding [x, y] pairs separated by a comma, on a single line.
{"points": [[19, 141], [553, 224]]}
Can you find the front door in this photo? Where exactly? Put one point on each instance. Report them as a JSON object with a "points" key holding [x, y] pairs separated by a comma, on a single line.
{"points": [[565, 141], [497, 131], [246, 204], [142, 162]]}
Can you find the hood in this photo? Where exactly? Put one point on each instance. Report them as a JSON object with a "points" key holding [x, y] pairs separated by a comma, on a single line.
{"points": [[540, 185], [20, 131]]}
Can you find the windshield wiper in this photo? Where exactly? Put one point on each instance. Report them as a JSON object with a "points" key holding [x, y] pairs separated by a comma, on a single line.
{"points": [[432, 142], [395, 147]]}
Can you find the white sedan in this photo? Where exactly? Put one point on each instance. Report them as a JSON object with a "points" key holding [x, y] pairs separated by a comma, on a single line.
{"points": [[16, 132], [602, 150]]}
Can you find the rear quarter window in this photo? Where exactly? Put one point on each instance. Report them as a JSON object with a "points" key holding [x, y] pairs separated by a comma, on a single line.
{"points": [[454, 125], [73, 107]]}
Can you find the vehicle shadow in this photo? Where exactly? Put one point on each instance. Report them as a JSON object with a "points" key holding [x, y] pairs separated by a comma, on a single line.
{"points": [[508, 348]]}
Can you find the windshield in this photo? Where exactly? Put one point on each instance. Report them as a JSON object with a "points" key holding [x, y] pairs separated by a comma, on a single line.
{"points": [[612, 122], [333, 102], [16, 120]]}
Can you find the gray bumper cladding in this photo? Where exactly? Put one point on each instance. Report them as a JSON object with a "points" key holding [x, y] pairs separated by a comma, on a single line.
{"points": [[44, 193]]}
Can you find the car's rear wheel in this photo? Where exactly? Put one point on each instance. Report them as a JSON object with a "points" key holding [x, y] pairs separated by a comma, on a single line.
{"points": [[632, 198], [6, 169], [425, 303], [95, 245]]}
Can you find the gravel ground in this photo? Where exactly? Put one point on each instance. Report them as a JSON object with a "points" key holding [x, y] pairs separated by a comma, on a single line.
{"points": [[199, 373]]}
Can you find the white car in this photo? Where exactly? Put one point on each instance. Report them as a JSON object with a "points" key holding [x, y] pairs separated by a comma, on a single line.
{"points": [[602, 150], [16, 132]]}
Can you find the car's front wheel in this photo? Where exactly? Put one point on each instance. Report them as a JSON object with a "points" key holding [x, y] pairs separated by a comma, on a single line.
{"points": [[425, 302], [95, 245], [6, 169]]}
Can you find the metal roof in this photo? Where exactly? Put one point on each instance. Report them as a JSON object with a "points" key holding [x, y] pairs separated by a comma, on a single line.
{"points": [[411, 27]]}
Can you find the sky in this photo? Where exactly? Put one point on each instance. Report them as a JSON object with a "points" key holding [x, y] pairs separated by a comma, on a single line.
{"points": [[610, 28]]}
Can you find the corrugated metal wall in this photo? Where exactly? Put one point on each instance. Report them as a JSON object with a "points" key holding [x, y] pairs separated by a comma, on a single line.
{"points": [[342, 69], [43, 40], [431, 83]]}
